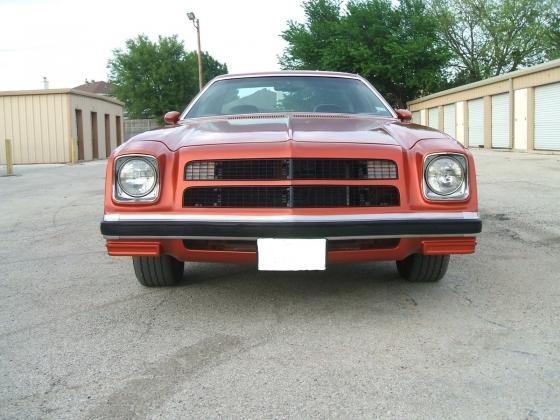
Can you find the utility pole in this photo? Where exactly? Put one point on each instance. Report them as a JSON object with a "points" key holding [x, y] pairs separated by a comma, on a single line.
{"points": [[196, 24]]}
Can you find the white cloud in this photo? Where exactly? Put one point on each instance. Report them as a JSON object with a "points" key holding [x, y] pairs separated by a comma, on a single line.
{"points": [[68, 41]]}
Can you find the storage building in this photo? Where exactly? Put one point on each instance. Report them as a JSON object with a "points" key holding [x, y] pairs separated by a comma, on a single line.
{"points": [[59, 125], [518, 110]]}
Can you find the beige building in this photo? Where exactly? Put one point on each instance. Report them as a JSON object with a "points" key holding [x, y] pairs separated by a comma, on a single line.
{"points": [[518, 110], [49, 126]]}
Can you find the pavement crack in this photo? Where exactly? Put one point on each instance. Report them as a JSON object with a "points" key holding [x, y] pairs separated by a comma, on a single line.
{"points": [[527, 353], [489, 321], [411, 299], [460, 295], [153, 315]]}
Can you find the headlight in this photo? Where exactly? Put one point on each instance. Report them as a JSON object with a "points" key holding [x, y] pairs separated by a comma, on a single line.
{"points": [[136, 178], [445, 177]]}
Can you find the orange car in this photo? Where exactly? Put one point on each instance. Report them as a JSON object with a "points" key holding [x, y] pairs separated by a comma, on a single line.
{"points": [[291, 171]]}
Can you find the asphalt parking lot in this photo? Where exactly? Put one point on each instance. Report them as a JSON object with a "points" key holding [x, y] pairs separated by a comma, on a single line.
{"points": [[80, 338]]}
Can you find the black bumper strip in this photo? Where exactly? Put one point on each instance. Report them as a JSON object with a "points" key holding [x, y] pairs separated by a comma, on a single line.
{"points": [[155, 229]]}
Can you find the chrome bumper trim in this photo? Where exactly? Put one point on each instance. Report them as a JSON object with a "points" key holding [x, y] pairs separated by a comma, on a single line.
{"points": [[158, 217]]}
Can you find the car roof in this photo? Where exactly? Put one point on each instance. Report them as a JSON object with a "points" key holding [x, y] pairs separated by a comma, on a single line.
{"points": [[289, 73]]}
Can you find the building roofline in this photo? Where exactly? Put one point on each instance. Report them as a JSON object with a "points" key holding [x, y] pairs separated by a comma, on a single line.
{"points": [[60, 92], [511, 75]]}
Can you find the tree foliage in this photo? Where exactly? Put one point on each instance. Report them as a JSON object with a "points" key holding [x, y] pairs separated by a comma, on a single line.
{"points": [[492, 37], [152, 78], [417, 47], [397, 48], [552, 35], [210, 66]]}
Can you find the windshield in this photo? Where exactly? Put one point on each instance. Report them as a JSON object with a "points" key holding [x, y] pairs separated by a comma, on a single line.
{"points": [[268, 94]]}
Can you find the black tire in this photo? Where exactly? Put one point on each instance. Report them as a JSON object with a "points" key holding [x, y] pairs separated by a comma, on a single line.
{"points": [[158, 271], [423, 268]]}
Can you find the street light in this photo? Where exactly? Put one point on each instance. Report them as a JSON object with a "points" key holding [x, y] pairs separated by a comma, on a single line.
{"points": [[196, 24]]}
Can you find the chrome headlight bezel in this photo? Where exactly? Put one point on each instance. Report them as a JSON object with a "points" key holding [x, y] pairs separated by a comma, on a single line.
{"points": [[461, 193], [119, 193]]}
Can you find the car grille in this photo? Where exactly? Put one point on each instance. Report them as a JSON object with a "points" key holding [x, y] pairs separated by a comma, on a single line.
{"points": [[286, 169], [295, 196]]}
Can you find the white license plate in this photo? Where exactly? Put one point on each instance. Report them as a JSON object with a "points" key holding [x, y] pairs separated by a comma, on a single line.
{"points": [[291, 254]]}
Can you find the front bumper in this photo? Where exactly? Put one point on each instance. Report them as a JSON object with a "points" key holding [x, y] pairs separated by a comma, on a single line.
{"points": [[178, 226]]}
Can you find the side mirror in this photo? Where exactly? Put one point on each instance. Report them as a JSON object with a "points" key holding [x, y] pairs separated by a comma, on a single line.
{"points": [[172, 117], [404, 114]]}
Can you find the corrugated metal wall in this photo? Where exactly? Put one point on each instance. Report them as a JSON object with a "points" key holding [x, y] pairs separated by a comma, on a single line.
{"points": [[42, 124], [37, 126], [88, 105]]}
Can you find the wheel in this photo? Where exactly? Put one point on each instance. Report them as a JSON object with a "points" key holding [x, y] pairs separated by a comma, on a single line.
{"points": [[423, 268], [158, 271]]}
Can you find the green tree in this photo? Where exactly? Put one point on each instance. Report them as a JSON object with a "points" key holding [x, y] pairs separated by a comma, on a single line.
{"points": [[552, 34], [210, 67], [396, 48], [492, 37], [152, 78]]}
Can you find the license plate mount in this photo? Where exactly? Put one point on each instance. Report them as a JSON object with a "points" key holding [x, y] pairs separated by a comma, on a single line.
{"points": [[278, 254]]}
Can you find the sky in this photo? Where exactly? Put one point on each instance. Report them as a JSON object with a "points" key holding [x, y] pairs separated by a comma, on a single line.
{"points": [[71, 40]]}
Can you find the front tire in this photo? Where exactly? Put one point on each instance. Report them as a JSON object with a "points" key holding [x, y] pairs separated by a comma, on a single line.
{"points": [[423, 268], [158, 271]]}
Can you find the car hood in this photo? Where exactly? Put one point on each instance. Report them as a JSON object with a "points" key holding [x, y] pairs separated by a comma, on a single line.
{"points": [[328, 128]]}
